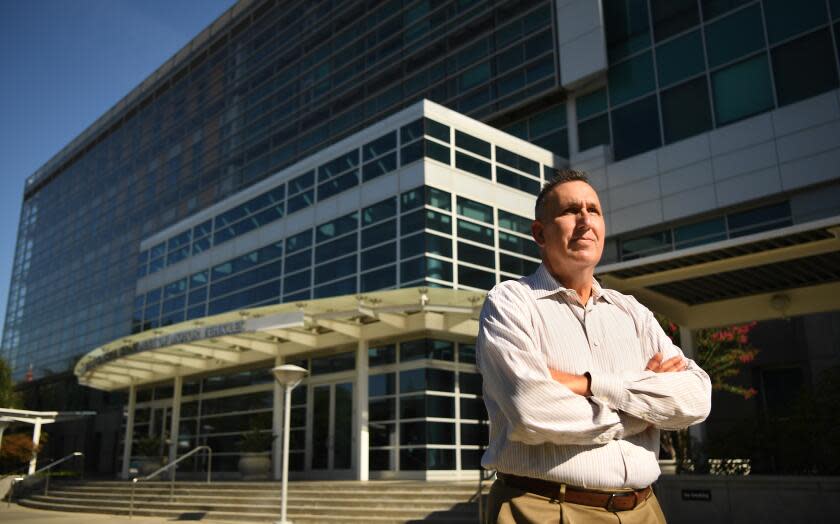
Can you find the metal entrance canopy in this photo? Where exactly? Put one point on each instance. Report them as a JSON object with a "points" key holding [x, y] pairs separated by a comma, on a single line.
{"points": [[251, 335], [784, 272]]}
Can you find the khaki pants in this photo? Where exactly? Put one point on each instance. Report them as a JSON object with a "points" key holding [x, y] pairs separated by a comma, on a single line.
{"points": [[509, 505]]}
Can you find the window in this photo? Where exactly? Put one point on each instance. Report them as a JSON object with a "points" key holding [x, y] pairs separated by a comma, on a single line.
{"points": [[645, 245], [337, 227], [437, 152], [685, 110], [798, 77], [680, 58], [472, 165], [472, 144], [759, 219], [590, 104], [379, 356], [514, 222], [517, 181], [631, 79], [700, 233], [786, 18], [516, 265], [519, 162], [673, 16], [437, 130], [438, 198], [476, 255], [734, 36], [380, 233], [475, 232], [379, 146], [626, 27], [383, 278], [635, 128], [472, 209], [742, 90], [469, 276], [593, 132], [713, 8], [379, 211], [299, 261], [426, 348]]}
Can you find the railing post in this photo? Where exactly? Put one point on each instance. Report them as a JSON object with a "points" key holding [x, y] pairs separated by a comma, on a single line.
{"points": [[131, 506], [209, 463], [47, 482]]}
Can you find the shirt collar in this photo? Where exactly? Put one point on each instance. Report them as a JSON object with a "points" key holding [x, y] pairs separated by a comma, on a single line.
{"points": [[543, 284]]}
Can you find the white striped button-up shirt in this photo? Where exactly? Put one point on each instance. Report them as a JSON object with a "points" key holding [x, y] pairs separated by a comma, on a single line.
{"points": [[539, 428]]}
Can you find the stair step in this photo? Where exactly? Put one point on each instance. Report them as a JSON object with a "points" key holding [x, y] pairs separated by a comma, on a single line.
{"points": [[377, 502], [346, 500]]}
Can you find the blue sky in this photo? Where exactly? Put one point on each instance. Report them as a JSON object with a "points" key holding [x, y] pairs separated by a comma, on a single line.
{"points": [[65, 62]]}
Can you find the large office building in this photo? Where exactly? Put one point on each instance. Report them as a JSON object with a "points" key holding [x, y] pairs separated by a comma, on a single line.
{"points": [[337, 184]]}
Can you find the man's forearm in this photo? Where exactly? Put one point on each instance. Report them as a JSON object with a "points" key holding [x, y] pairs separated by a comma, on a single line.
{"points": [[579, 384]]}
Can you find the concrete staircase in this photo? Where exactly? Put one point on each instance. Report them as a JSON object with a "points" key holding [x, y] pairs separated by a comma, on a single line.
{"points": [[309, 502]]}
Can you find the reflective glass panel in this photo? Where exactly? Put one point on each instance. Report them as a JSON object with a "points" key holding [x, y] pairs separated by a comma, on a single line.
{"points": [[635, 128], [798, 78], [680, 58], [786, 18], [734, 36], [742, 90], [685, 110], [673, 16], [631, 79]]}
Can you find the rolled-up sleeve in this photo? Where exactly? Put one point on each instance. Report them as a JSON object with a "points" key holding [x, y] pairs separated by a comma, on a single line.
{"points": [[517, 381], [670, 401]]}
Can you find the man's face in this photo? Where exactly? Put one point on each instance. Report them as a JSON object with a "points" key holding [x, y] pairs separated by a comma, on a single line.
{"points": [[571, 230]]}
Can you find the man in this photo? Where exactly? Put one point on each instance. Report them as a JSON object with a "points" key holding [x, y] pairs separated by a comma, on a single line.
{"points": [[578, 379]]}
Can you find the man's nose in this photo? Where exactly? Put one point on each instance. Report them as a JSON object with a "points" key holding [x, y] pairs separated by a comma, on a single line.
{"points": [[584, 219]]}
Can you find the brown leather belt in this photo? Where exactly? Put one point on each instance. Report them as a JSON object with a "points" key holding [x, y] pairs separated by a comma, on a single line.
{"points": [[611, 501]]}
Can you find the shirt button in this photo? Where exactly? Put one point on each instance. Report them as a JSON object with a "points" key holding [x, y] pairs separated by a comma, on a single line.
{"points": [[595, 343]]}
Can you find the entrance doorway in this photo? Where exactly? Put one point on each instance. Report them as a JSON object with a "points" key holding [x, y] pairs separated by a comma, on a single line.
{"points": [[332, 430]]}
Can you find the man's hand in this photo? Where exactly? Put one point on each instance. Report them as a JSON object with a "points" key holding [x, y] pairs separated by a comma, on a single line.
{"points": [[656, 364], [577, 383]]}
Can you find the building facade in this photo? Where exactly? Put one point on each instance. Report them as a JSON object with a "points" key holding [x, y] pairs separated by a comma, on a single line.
{"points": [[285, 156]]}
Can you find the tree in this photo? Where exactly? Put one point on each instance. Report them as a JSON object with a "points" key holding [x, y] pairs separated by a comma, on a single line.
{"points": [[9, 398], [722, 353]]}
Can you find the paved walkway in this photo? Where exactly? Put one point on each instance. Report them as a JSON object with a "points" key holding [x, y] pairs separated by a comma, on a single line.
{"points": [[19, 514]]}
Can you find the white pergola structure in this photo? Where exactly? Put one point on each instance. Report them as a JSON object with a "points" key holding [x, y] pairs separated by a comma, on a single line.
{"points": [[9, 416], [780, 273], [271, 334]]}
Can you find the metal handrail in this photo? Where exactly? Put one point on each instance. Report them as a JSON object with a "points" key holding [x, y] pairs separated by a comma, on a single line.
{"points": [[48, 468], [169, 466], [480, 493]]}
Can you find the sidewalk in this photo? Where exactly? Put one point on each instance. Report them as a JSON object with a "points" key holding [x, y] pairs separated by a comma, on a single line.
{"points": [[19, 514]]}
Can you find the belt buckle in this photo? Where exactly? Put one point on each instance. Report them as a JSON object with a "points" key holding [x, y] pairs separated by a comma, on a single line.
{"points": [[609, 506]]}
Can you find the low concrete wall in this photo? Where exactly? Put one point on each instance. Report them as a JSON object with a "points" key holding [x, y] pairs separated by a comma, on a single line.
{"points": [[689, 499]]}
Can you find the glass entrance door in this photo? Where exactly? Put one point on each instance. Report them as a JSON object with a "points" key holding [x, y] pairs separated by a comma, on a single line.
{"points": [[332, 427]]}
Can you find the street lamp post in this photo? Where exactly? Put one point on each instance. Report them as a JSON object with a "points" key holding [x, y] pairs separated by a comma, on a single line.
{"points": [[288, 376]]}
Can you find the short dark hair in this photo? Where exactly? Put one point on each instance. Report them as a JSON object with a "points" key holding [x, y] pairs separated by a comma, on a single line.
{"points": [[561, 176]]}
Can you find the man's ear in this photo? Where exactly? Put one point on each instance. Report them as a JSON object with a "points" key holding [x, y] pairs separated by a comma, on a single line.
{"points": [[537, 231]]}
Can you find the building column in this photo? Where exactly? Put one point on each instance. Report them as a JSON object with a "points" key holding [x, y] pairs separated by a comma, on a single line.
{"points": [[176, 418], [360, 421], [697, 431], [277, 427], [36, 438], [571, 126], [129, 430]]}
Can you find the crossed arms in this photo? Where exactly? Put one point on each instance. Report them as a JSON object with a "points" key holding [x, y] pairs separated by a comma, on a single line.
{"points": [[544, 405]]}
